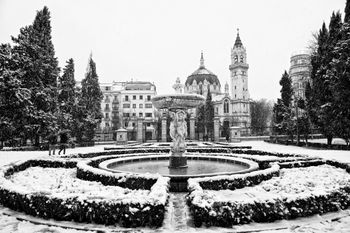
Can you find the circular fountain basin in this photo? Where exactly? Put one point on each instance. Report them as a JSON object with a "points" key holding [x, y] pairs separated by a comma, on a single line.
{"points": [[198, 166]]}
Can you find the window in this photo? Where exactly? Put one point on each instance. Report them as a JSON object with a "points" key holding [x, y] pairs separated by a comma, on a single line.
{"points": [[148, 105], [107, 88], [140, 114], [134, 114], [133, 124], [148, 114], [107, 107], [126, 114], [235, 96], [226, 106], [107, 115], [217, 110], [140, 105], [148, 98], [141, 97], [235, 87], [107, 99], [126, 124], [134, 97], [242, 59], [148, 124], [236, 59], [126, 98], [107, 125], [126, 105], [133, 105]]}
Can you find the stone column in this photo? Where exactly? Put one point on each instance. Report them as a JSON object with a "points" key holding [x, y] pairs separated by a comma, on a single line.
{"points": [[216, 129], [192, 128], [139, 136], [164, 129]]}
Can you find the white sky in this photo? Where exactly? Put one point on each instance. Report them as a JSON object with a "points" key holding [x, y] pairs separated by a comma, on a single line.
{"points": [[159, 40]]}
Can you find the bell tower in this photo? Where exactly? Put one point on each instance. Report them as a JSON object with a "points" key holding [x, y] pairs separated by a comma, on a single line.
{"points": [[239, 71]]}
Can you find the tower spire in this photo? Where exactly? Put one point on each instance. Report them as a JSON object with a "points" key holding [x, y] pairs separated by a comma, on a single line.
{"points": [[238, 42], [202, 60]]}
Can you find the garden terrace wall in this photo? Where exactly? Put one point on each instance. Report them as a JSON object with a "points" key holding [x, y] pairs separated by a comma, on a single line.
{"points": [[124, 213]]}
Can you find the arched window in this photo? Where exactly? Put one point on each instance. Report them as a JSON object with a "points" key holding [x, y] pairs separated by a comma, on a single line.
{"points": [[242, 59], [226, 106], [236, 58]]}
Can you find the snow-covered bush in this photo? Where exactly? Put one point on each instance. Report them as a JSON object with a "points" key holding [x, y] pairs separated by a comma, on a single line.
{"points": [[236, 181], [58, 194], [297, 192]]}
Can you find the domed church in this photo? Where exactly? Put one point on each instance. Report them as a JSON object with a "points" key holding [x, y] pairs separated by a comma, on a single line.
{"points": [[231, 107]]}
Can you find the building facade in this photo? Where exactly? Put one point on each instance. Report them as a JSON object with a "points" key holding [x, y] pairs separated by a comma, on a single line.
{"points": [[231, 107], [300, 72], [128, 105]]}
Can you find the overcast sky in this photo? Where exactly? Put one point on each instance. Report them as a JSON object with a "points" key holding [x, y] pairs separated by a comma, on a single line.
{"points": [[159, 40]]}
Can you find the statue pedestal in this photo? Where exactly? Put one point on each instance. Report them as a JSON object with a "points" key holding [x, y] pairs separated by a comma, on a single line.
{"points": [[177, 161]]}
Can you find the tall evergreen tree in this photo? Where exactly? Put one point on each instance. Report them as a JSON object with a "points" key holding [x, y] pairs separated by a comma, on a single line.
{"points": [[283, 117], [340, 84], [40, 72], [91, 97], [67, 96], [209, 115], [286, 90], [260, 116], [347, 12], [15, 101], [321, 101]]}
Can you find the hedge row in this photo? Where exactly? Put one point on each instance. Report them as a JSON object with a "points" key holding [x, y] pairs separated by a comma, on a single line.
{"points": [[126, 215], [88, 170], [310, 144], [237, 181], [129, 214], [13, 168], [227, 214], [315, 162], [190, 150]]}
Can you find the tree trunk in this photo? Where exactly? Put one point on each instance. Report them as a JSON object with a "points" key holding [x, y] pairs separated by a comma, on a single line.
{"points": [[329, 140]]}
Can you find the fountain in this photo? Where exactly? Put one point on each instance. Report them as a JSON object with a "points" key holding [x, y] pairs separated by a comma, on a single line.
{"points": [[177, 104], [179, 165]]}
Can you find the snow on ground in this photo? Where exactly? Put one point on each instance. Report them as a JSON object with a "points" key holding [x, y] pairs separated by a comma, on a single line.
{"points": [[342, 156], [330, 223], [292, 183], [7, 157], [336, 141], [62, 183]]}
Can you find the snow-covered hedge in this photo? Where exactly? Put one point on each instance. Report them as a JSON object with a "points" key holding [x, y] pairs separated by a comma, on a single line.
{"points": [[87, 170], [205, 150], [236, 181], [298, 192], [142, 208]]}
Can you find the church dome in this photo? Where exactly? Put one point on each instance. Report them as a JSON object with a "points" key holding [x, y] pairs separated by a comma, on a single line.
{"points": [[202, 74]]}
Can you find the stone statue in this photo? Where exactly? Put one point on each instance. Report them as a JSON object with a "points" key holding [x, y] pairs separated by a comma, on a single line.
{"points": [[178, 132]]}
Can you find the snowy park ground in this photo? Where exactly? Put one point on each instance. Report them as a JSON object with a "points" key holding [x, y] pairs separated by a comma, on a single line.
{"points": [[177, 221]]}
